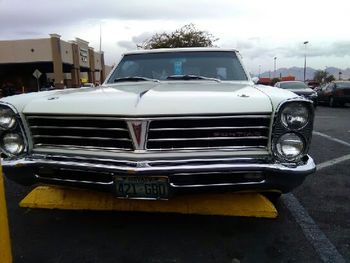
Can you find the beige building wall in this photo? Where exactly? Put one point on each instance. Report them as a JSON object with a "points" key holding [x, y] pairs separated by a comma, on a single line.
{"points": [[66, 52], [98, 65], [28, 50]]}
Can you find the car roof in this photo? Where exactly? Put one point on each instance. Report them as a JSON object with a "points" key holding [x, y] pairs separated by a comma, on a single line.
{"points": [[291, 81], [341, 81], [188, 49]]}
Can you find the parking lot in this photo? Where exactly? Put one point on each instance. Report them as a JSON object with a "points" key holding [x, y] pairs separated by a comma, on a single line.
{"points": [[313, 223]]}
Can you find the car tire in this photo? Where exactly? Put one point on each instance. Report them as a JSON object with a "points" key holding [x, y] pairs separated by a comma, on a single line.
{"points": [[331, 102]]}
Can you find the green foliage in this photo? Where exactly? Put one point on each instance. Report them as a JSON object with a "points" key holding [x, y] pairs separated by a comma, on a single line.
{"points": [[323, 76], [274, 81], [330, 78], [186, 36]]}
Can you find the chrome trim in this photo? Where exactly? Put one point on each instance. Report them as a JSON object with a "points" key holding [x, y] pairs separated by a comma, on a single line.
{"points": [[139, 140], [207, 138], [209, 128], [77, 128], [177, 166], [80, 137], [253, 115], [53, 179], [205, 149], [151, 162], [164, 150], [215, 185], [77, 147]]}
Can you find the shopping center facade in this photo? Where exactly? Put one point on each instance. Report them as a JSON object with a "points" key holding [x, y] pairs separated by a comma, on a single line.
{"points": [[58, 63]]}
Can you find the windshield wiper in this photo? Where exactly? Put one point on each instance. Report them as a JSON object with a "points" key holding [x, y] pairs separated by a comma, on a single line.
{"points": [[135, 78], [191, 77]]}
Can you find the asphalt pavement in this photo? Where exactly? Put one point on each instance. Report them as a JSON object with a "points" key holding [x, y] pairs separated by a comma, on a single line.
{"points": [[313, 223]]}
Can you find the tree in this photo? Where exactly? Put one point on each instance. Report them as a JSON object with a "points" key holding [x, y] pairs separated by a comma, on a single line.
{"points": [[274, 81], [329, 78], [186, 36], [320, 75], [323, 76]]}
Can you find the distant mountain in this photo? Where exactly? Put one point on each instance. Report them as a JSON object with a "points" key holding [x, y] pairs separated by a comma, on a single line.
{"points": [[299, 73]]}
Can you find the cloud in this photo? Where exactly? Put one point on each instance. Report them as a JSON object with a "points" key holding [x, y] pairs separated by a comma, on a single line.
{"points": [[17, 16]]}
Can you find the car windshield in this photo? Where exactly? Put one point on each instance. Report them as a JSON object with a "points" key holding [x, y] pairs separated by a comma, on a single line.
{"points": [[293, 85], [173, 66], [343, 85]]}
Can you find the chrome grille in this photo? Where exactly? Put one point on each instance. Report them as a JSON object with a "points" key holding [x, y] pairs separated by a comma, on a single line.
{"points": [[240, 131], [105, 133]]}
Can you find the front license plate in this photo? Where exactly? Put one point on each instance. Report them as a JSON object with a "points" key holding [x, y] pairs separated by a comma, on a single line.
{"points": [[148, 187]]}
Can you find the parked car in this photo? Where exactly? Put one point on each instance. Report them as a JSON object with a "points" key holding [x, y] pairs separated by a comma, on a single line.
{"points": [[335, 93], [312, 84], [299, 88], [165, 121]]}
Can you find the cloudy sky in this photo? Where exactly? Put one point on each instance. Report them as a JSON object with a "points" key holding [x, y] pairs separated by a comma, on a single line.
{"points": [[260, 30]]}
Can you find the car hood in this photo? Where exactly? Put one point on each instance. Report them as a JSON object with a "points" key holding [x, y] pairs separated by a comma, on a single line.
{"points": [[302, 92], [148, 98]]}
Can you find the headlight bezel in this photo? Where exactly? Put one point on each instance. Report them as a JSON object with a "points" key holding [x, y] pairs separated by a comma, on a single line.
{"points": [[13, 120], [284, 121], [279, 152], [17, 128], [304, 131], [21, 145]]}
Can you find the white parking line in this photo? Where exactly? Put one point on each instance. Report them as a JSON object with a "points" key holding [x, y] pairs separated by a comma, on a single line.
{"points": [[332, 162], [331, 138], [324, 248]]}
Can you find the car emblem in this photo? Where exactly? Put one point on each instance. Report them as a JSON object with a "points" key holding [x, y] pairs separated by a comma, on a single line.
{"points": [[138, 131], [137, 128]]}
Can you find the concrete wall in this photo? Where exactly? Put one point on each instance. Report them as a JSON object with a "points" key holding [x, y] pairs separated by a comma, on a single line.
{"points": [[24, 51]]}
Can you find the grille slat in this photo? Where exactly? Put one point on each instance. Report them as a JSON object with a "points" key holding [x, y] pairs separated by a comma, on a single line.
{"points": [[208, 138], [76, 132]]}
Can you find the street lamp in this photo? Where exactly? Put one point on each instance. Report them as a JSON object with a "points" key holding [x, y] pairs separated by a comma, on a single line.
{"points": [[274, 67], [305, 43]]}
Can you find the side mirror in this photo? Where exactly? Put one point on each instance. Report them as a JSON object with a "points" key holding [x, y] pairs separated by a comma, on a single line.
{"points": [[255, 80]]}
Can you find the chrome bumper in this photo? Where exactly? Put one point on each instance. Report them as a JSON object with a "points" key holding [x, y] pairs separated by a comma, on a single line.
{"points": [[24, 170]]}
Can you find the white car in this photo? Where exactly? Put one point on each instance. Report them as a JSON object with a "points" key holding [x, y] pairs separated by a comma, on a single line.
{"points": [[165, 122]]}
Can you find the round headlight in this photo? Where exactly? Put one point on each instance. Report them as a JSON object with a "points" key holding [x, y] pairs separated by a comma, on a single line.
{"points": [[7, 118], [295, 115], [13, 143], [290, 146]]}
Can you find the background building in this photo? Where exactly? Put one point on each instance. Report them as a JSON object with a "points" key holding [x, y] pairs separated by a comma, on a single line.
{"points": [[54, 61]]}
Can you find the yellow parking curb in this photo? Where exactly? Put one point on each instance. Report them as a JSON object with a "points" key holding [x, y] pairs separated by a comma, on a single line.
{"points": [[5, 244], [236, 204]]}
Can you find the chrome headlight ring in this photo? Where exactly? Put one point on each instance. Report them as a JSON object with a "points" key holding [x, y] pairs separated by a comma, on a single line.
{"points": [[295, 115], [290, 146], [13, 140]]}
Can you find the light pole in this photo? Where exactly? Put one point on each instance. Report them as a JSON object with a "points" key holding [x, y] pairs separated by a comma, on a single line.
{"points": [[305, 43], [274, 67], [259, 70]]}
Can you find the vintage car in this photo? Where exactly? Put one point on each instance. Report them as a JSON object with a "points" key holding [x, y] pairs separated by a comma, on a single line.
{"points": [[165, 122]]}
